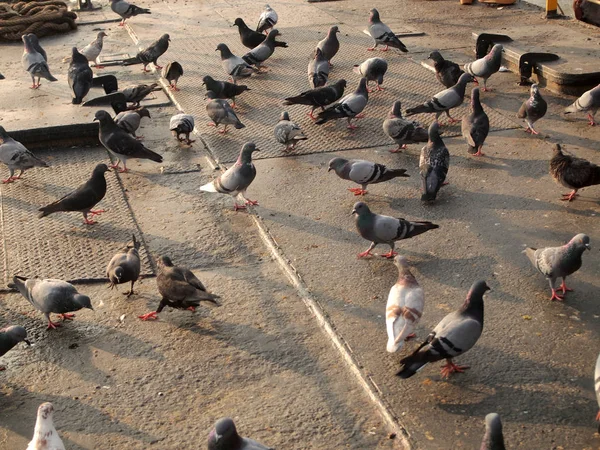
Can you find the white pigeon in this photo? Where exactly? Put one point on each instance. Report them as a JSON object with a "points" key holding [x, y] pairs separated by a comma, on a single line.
{"points": [[93, 49], [45, 436], [267, 20]]}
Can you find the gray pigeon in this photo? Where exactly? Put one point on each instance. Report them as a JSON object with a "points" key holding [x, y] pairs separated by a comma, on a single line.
{"points": [[121, 144], [221, 112], [318, 70], [475, 126], [363, 172], [385, 229], [403, 131], [447, 72], [533, 109], [16, 156], [182, 124], [350, 107], [373, 69], [52, 296], [172, 72], [35, 43], [235, 180], [330, 45], [126, 10], [138, 92], [263, 51], [80, 76], [493, 438], [444, 101], [35, 64], [456, 334], [224, 89], [224, 436], [588, 102], [287, 132], [125, 266], [487, 66], [382, 34], [129, 121], [93, 49], [319, 97], [267, 20], [573, 173], [559, 262], [179, 288], [251, 38], [597, 388], [151, 53], [433, 164], [233, 65], [11, 336]]}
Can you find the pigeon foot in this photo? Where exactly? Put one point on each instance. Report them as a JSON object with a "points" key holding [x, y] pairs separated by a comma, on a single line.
{"points": [[191, 308], [365, 253], [252, 202], [157, 67], [89, 222], [564, 288], [66, 316], [555, 296], [53, 325], [398, 149], [389, 255], [479, 152], [409, 337], [449, 368], [96, 212], [150, 316], [9, 180], [357, 191], [570, 196], [237, 207]]}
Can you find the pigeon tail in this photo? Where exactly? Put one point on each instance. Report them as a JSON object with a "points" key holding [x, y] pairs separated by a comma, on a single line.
{"points": [[417, 110], [208, 187], [50, 209], [51, 78], [329, 114], [390, 174], [422, 227], [411, 365]]}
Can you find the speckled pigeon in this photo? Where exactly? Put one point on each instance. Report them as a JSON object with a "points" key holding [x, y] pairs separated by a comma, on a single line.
{"points": [[318, 70], [363, 172], [251, 38], [80, 76], [403, 131], [11, 336], [233, 65], [35, 64], [129, 121], [493, 438], [221, 113], [588, 102], [16, 157], [172, 72], [224, 436], [288, 132], [446, 71], [267, 20], [45, 436], [533, 109], [263, 51], [93, 49], [349, 107], [573, 173], [319, 97], [487, 66], [433, 164], [224, 89], [182, 124], [382, 34], [330, 44], [126, 10], [125, 266], [373, 69], [476, 126]]}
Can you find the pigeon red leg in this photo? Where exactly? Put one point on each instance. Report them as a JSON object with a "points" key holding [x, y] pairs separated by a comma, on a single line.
{"points": [[150, 316], [237, 207], [379, 88], [191, 308], [398, 149], [96, 212], [555, 296], [360, 116], [88, 221], [8, 180], [358, 191], [385, 49], [367, 252], [53, 325], [66, 316], [591, 122], [564, 287], [598, 417], [409, 337], [251, 202], [569, 197], [157, 67], [479, 152], [350, 126], [449, 368]]}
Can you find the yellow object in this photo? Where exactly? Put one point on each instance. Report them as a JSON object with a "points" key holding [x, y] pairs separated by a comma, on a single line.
{"points": [[551, 7]]}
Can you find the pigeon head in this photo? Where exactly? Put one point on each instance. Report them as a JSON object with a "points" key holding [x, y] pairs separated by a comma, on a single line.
{"points": [[83, 301], [77, 57], [246, 153], [284, 116], [273, 34], [336, 164], [3, 135], [535, 90], [436, 56], [477, 290], [223, 435], [165, 261], [45, 411], [493, 433], [361, 209], [225, 52], [401, 262], [362, 85], [207, 80], [134, 243], [165, 37], [103, 117], [374, 17], [100, 170], [101, 35], [434, 131], [396, 110], [239, 22], [268, 8], [17, 334], [581, 242], [27, 41], [474, 96], [333, 30], [143, 112]]}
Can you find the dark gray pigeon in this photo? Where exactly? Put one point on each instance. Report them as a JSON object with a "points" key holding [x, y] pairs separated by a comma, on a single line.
{"points": [[129, 121], [179, 288], [373, 69], [125, 266], [533, 109], [35, 43], [16, 157], [559, 262], [487, 66], [319, 97], [235, 180], [349, 107], [588, 102], [403, 131], [121, 144], [385, 229], [221, 113], [493, 438], [456, 334], [138, 92], [433, 164], [52, 297], [11, 336], [151, 53], [382, 34], [126, 10], [363, 172], [318, 70], [224, 436], [82, 199], [224, 89], [80, 76], [251, 38], [263, 51], [476, 126], [34, 63], [93, 49], [267, 20], [182, 124], [330, 45], [573, 173], [597, 388], [287, 132], [233, 65], [447, 72], [172, 72]]}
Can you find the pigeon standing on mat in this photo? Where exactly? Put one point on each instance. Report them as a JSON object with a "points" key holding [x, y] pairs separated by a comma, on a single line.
{"points": [[363, 172], [493, 438], [319, 97], [138, 92], [476, 126], [126, 10], [35, 64], [349, 107], [16, 157], [125, 266], [35, 43], [172, 72], [151, 53], [373, 69], [447, 72], [263, 51], [233, 65], [251, 38], [559, 262], [129, 121], [318, 70], [330, 45], [93, 49], [597, 387], [433, 164], [235, 180], [403, 131], [52, 296], [267, 20], [457, 333], [182, 124], [487, 66], [381, 229], [45, 436], [221, 113], [573, 173], [588, 102], [11, 336], [404, 308], [382, 34], [224, 89], [224, 436], [179, 288], [80, 76], [533, 109], [288, 133]]}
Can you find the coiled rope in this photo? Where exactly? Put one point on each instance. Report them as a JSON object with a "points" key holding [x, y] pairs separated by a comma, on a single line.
{"points": [[32, 16]]}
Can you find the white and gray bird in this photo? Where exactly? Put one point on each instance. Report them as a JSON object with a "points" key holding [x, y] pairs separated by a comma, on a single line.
{"points": [[318, 70], [382, 34], [373, 69], [330, 44], [34, 63], [363, 172], [493, 438], [182, 124], [433, 164], [349, 107], [221, 113], [224, 436], [487, 66], [401, 130], [233, 65], [16, 157], [129, 121], [476, 126], [35, 43], [11, 336], [267, 20], [125, 266], [45, 436], [533, 109], [126, 10], [263, 51], [288, 133], [588, 102], [93, 49]]}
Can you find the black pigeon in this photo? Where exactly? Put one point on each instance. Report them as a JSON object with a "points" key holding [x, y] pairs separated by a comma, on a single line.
{"points": [[125, 266], [171, 72], [533, 109], [136, 93], [151, 53], [224, 89], [433, 164], [319, 97], [476, 126], [251, 38], [80, 76], [447, 72], [572, 172]]}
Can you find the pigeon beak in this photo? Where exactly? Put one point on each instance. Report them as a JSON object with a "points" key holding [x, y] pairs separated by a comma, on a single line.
{"points": [[95, 118], [329, 169], [353, 212], [27, 342], [588, 246], [92, 308]]}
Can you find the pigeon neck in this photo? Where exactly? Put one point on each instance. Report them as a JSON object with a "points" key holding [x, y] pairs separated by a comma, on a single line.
{"points": [[245, 157], [405, 277], [473, 306], [477, 108], [226, 53]]}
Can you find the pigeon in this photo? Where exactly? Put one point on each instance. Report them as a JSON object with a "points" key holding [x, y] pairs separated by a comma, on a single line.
{"points": [[179, 288], [573, 173], [487, 66], [433, 164], [533, 109], [82, 199], [589, 101], [373, 69], [382, 34], [224, 436], [233, 65], [121, 144], [138, 92], [182, 124], [35, 43], [456, 334], [263, 51], [237, 178], [80, 76], [224, 89], [349, 107], [45, 436], [319, 97], [444, 101], [52, 296], [125, 266], [476, 126], [93, 49], [151, 53], [171, 72], [403, 131], [330, 45], [385, 229], [11, 336], [126, 10], [318, 70], [493, 438], [221, 112], [1, 77], [129, 121], [35, 64], [251, 38], [447, 72], [267, 20], [363, 172], [597, 388], [404, 308], [288, 133], [16, 157], [559, 262]]}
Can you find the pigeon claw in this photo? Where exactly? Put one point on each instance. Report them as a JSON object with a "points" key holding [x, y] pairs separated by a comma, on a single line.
{"points": [[191, 308], [479, 152], [569, 197], [389, 255], [563, 287], [409, 337], [66, 316], [351, 127], [89, 222], [251, 202], [449, 368], [174, 87], [591, 122], [150, 316], [398, 149], [365, 253], [555, 296], [384, 49], [9, 180], [237, 207], [53, 325], [157, 67], [358, 191], [96, 212]]}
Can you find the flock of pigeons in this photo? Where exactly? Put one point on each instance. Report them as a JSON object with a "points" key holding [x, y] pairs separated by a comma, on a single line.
{"points": [[180, 288]]}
